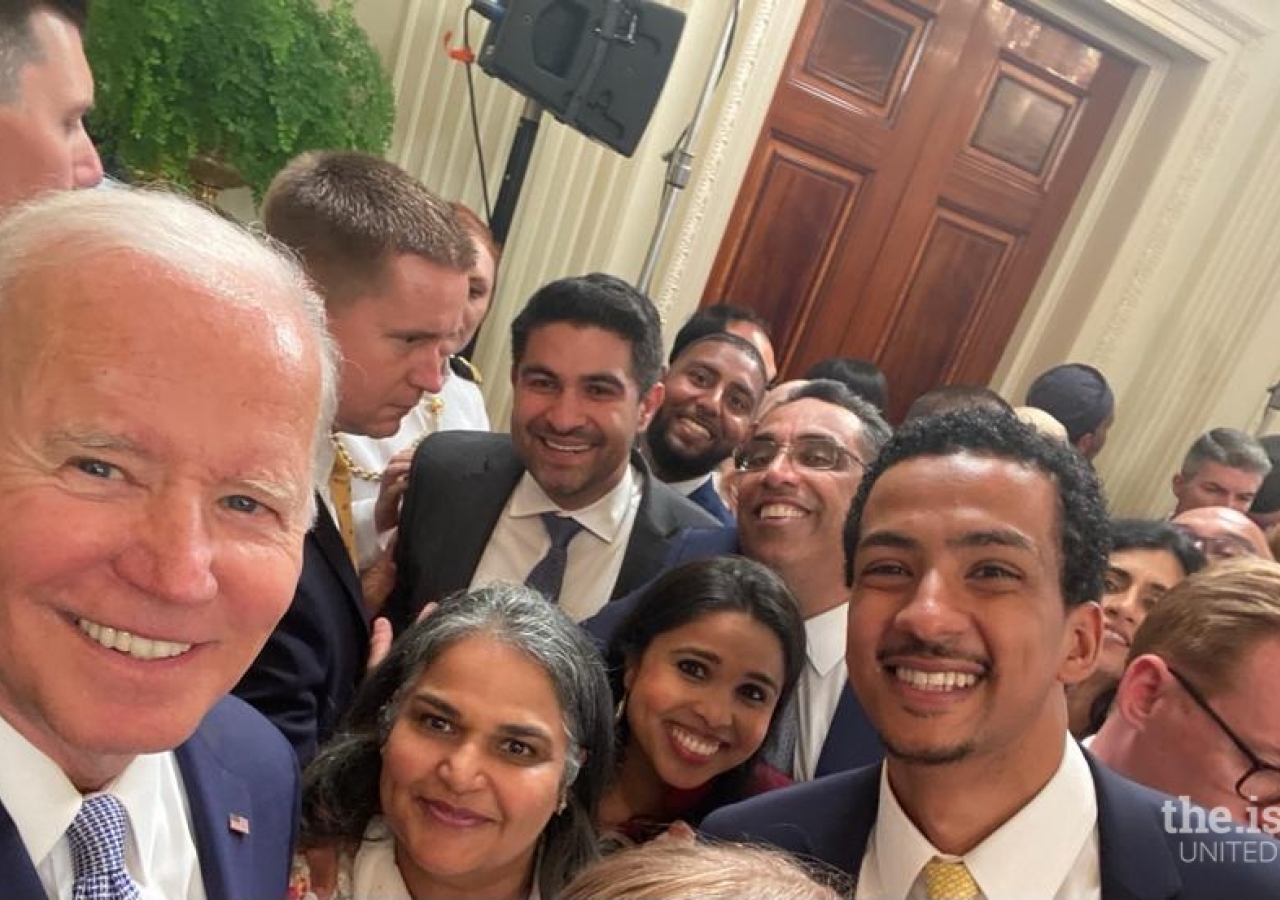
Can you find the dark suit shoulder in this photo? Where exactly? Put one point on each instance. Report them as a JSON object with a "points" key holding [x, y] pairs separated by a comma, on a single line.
{"points": [[1151, 842], [672, 511], [827, 819], [467, 445], [245, 743]]}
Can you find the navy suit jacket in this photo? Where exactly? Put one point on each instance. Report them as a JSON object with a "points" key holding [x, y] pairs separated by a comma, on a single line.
{"points": [[234, 765], [458, 487], [851, 741], [831, 819], [708, 498], [307, 672]]}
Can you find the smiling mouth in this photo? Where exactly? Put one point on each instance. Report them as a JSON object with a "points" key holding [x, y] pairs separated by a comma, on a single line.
{"points": [[693, 744], [937, 682], [455, 816], [562, 447], [131, 644], [773, 511], [1115, 635]]}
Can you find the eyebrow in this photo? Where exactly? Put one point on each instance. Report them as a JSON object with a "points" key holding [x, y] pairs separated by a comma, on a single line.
{"points": [[93, 439], [435, 701], [994, 537], [714, 658]]}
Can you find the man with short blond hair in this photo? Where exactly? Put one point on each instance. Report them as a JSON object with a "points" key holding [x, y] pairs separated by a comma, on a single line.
{"points": [[391, 261], [45, 90], [1193, 715]]}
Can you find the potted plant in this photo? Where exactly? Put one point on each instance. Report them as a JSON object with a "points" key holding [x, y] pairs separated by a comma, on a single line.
{"points": [[225, 92]]}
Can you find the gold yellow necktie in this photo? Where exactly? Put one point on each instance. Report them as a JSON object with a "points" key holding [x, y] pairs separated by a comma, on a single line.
{"points": [[945, 880], [340, 494]]}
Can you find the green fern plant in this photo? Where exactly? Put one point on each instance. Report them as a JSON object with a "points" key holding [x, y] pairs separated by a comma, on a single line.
{"points": [[246, 84]]}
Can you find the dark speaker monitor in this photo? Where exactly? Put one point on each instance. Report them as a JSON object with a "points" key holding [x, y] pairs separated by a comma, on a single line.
{"points": [[596, 65]]}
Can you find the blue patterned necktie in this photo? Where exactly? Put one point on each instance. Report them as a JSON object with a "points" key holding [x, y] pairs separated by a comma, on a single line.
{"points": [[97, 851], [548, 574]]}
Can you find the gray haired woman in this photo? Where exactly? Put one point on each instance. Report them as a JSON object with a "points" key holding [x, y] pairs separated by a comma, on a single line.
{"points": [[472, 760]]}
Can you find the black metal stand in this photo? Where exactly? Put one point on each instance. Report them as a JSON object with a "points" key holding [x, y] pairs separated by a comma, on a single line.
{"points": [[517, 166]]}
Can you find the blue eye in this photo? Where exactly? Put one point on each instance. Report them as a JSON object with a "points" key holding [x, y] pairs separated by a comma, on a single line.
{"points": [[96, 468], [242, 504]]}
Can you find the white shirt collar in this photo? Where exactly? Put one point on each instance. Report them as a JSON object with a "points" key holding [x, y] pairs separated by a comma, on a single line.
{"points": [[604, 518], [825, 638], [1056, 822], [42, 801]]}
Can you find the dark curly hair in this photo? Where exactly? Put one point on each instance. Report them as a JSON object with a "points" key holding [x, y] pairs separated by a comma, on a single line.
{"points": [[689, 592], [340, 791], [1082, 508]]}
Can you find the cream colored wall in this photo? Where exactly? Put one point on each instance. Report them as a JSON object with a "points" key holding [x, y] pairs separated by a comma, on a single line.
{"points": [[1166, 275]]}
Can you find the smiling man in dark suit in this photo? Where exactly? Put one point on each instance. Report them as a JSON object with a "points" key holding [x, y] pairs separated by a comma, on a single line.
{"points": [[565, 502], [977, 551], [164, 378]]}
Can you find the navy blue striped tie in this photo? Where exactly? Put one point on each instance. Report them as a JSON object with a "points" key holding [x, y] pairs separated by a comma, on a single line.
{"points": [[547, 575]]}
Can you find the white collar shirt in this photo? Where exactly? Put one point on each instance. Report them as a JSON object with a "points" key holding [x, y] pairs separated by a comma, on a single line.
{"points": [[821, 683], [160, 851], [1048, 850], [519, 540]]}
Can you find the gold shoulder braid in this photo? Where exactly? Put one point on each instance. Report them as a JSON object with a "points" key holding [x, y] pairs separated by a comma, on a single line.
{"points": [[472, 370]]}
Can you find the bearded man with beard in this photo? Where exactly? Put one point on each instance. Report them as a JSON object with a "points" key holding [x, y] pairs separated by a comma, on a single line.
{"points": [[713, 388]]}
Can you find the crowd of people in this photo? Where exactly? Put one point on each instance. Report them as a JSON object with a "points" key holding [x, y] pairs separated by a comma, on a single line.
{"points": [[281, 616]]}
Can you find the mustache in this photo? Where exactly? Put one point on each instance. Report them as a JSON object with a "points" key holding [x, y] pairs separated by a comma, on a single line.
{"points": [[922, 649]]}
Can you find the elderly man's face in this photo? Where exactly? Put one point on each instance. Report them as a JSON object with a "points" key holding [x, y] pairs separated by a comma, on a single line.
{"points": [[43, 144], [154, 481]]}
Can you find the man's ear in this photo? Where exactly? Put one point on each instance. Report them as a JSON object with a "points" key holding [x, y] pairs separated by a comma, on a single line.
{"points": [[1144, 682], [1177, 484], [1081, 642], [649, 404]]}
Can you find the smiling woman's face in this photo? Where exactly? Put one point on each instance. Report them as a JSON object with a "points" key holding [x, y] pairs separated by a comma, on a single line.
{"points": [[700, 698], [472, 770]]}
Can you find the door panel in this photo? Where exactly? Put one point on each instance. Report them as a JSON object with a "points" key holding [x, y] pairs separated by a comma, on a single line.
{"points": [[916, 164]]}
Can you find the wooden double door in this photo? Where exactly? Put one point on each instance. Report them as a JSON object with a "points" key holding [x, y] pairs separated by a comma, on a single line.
{"points": [[916, 165]]}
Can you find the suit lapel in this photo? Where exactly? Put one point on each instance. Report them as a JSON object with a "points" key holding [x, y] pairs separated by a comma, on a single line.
{"points": [[852, 741], [20, 879], [214, 796], [647, 547], [328, 540], [489, 483], [1135, 860]]}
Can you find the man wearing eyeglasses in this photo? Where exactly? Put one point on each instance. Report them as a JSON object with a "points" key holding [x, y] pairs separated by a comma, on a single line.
{"points": [[1194, 715], [796, 476], [1221, 533]]}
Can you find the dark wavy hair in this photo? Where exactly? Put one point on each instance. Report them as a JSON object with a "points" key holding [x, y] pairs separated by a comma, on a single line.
{"points": [[689, 592], [597, 301], [1082, 508], [341, 785]]}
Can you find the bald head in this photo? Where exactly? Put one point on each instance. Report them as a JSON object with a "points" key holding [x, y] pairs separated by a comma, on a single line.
{"points": [[1223, 533]]}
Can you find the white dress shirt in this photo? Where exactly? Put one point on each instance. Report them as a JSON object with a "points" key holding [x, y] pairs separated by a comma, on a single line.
{"points": [[519, 540], [1047, 851], [459, 407], [821, 683], [160, 850]]}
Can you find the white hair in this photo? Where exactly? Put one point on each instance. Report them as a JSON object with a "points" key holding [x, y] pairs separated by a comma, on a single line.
{"points": [[64, 229]]}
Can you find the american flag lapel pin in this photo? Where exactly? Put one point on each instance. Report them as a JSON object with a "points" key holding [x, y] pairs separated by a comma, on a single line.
{"points": [[238, 823]]}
